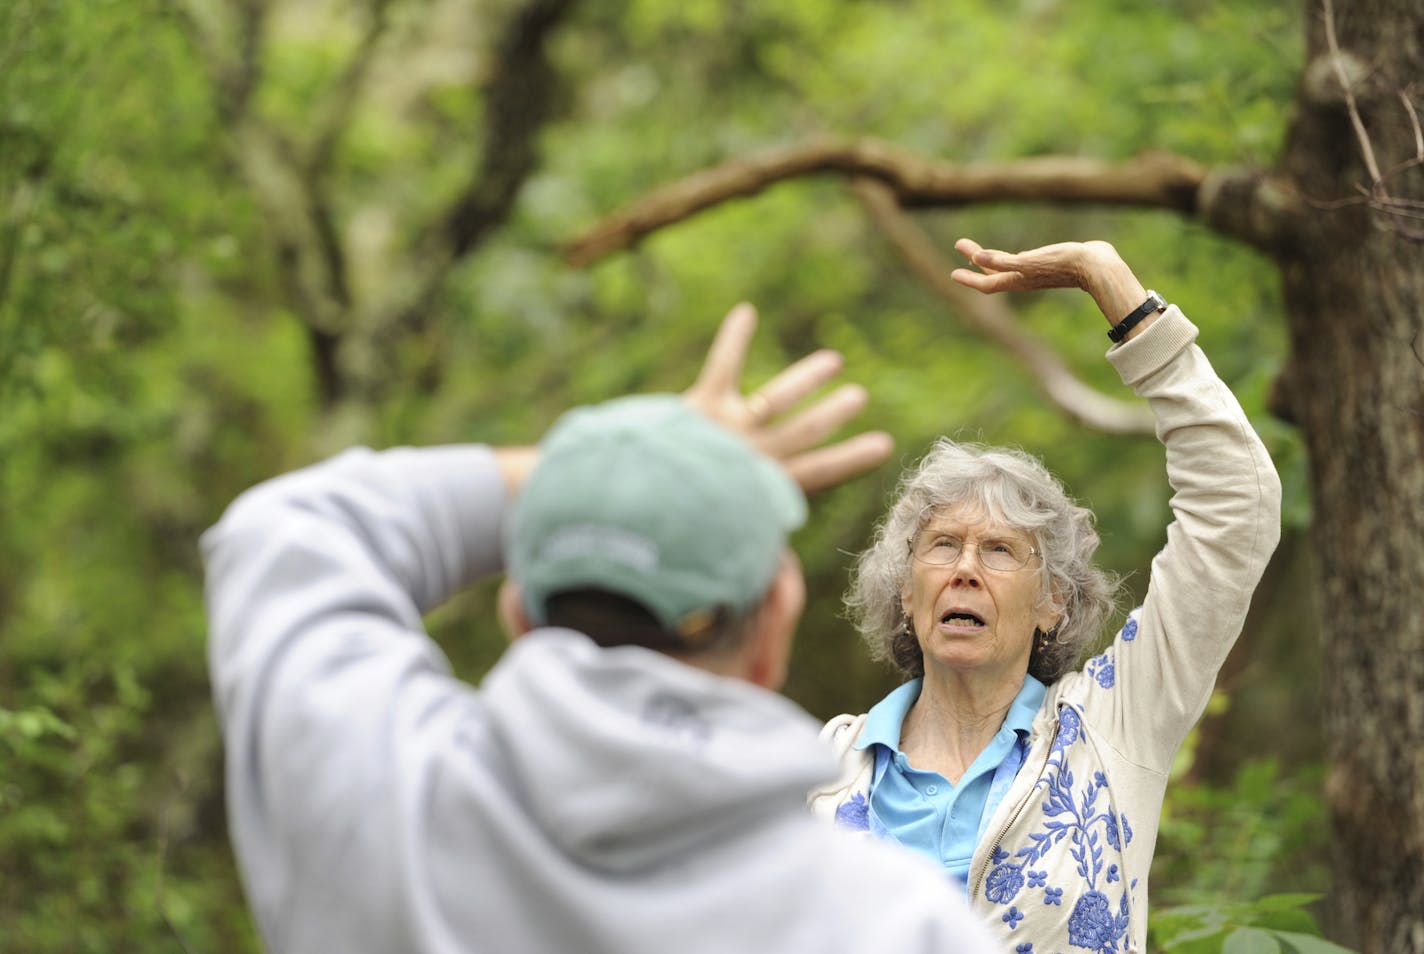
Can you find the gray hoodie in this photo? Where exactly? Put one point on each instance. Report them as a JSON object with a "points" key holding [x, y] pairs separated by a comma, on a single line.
{"points": [[581, 799]]}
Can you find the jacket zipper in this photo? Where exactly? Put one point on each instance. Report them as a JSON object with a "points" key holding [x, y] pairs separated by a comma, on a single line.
{"points": [[974, 895]]}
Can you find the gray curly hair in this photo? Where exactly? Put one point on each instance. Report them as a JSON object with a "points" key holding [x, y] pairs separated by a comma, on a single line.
{"points": [[1013, 488]]}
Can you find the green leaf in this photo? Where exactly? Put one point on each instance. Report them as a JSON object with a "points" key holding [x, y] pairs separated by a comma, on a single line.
{"points": [[1249, 940], [34, 723], [1309, 944], [1285, 901]]}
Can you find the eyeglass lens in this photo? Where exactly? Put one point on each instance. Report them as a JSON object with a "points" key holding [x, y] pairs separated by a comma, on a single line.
{"points": [[995, 554]]}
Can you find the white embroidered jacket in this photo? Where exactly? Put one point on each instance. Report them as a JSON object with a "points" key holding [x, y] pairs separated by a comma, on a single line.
{"points": [[1064, 861]]}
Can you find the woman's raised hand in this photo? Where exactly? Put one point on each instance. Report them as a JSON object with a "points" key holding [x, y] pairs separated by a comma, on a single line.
{"points": [[1095, 267], [1062, 265]]}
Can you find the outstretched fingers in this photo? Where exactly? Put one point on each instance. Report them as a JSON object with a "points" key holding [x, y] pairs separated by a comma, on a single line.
{"points": [[722, 370], [968, 248], [999, 271], [988, 283], [793, 384], [826, 467], [798, 440], [810, 426], [783, 418]]}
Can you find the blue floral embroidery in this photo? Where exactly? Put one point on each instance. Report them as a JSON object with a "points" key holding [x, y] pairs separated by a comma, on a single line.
{"points": [[1101, 668], [1129, 630], [1068, 724], [1004, 883], [854, 814], [1092, 924], [1076, 820], [1118, 823], [1024, 948], [1111, 832]]}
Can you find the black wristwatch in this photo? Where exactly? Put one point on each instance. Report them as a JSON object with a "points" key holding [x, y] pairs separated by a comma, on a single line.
{"points": [[1151, 306]]}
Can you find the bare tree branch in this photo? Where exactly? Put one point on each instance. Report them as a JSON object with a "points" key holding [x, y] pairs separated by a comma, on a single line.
{"points": [[1153, 180], [519, 101], [993, 319], [886, 180], [1414, 123], [286, 182], [1259, 207], [311, 260], [1348, 88], [305, 236], [234, 63], [351, 340], [334, 115], [252, 14], [1347, 72]]}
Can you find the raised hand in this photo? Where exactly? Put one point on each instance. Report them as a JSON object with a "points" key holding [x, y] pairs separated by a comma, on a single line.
{"points": [[1095, 267], [769, 418], [1062, 265]]}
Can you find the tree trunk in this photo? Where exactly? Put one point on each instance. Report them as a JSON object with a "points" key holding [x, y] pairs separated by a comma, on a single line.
{"points": [[1354, 290]]}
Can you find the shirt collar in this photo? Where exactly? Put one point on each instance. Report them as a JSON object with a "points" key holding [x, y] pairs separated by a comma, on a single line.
{"points": [[887, 717], [1025, 705]]}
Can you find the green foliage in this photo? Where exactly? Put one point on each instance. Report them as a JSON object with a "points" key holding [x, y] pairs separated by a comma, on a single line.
{"points": [[1264, 830], [87, 817], [1240, 866], [1274, 924], [152, 364]]}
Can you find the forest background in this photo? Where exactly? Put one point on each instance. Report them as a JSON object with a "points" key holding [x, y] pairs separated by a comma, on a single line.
{"points": [[236, 235]]}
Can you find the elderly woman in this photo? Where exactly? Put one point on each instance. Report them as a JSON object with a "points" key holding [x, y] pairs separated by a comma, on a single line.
{"points": [[1036, 779]]}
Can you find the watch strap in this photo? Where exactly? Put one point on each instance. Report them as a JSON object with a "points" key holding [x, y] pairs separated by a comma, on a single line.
{"points": [[1152, 305]]}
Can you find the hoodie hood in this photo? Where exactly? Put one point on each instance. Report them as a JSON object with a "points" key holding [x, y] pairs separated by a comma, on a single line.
{"points": [[626, 757]]}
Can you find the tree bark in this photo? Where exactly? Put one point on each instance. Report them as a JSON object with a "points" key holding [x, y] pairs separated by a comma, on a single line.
{"points": [[1157, 179], [1354, 292]]}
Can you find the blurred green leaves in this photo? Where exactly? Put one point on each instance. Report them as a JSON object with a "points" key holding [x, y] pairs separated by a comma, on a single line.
{"points": [[152, 365], [1274, 924]]}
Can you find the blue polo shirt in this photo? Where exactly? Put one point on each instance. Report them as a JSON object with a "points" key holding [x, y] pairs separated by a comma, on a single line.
{"points": [[924, 811]]}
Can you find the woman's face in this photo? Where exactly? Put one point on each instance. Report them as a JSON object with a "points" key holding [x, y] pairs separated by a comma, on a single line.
{"points": [[971, 617]]}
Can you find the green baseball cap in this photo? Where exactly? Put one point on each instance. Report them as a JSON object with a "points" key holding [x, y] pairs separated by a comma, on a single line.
{"points": [[648, 499]]}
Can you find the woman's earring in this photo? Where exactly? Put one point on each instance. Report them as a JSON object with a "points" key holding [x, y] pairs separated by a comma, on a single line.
{"points": [[1044, 640], [907, 625]]}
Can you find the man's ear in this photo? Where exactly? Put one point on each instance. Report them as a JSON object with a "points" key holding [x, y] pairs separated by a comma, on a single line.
{"points": [[510, 607], [768, 649]]}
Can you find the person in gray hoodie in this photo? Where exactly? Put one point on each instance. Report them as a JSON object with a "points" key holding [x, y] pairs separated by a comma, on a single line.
{"points": [[624, 780]]}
